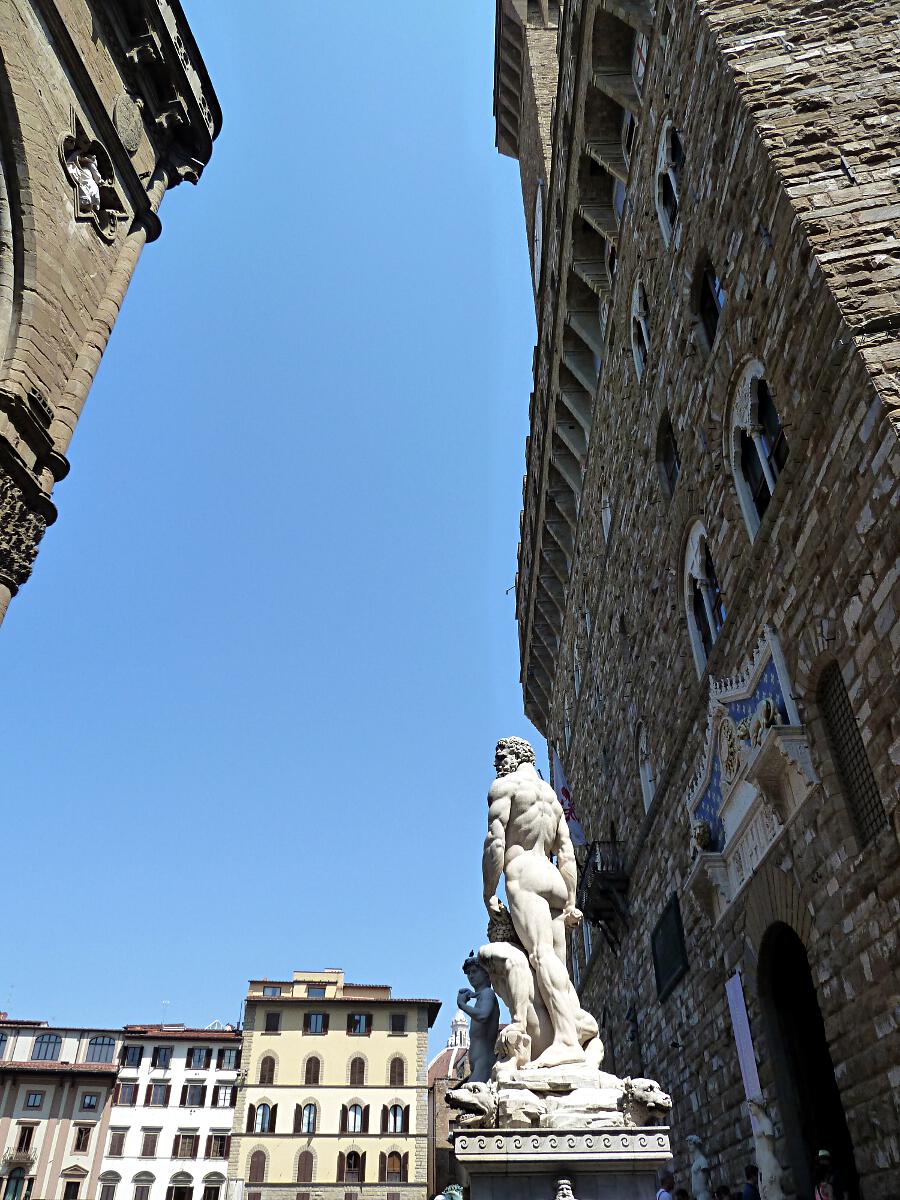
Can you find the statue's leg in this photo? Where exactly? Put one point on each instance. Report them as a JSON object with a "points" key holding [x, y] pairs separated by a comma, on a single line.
{"points": [[534, 924]]}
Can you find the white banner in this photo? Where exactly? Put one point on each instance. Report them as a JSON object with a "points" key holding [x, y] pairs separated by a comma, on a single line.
{"points": [[743, 1039], [576, 833]]}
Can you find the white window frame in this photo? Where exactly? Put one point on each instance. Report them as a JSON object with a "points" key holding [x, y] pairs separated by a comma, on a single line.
{"points": [[646, 774], [665, 167], [639, 325]]}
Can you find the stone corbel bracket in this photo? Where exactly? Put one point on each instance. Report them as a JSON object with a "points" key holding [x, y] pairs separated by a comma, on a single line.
{"points": [[782, 768], [708, 884]]}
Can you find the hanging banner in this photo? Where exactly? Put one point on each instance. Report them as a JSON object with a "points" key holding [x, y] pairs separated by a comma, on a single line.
{"points": [[743, 1039], [576, 833]]}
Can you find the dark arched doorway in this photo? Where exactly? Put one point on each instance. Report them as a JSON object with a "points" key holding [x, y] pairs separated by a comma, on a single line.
{"points": [[808, 1095]]}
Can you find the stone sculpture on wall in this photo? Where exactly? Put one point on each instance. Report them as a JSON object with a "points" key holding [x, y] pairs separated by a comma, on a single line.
{"points": [[764, 1144], [699, 1169], [479, 1003], [85, 174], [547, 1072]]}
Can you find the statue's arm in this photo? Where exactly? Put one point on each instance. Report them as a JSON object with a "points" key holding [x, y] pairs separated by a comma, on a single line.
{"points": [[565, 861], [494, 844]]}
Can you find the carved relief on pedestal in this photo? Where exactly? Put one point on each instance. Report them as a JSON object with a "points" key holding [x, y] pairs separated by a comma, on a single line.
{"points": [[20, 533]]}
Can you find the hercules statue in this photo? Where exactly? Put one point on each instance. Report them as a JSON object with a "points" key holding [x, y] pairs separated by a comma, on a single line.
{"points": [[526, 828]]}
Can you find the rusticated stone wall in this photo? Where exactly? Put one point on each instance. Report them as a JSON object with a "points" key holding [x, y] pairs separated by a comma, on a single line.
{"points": [[787, 112]]}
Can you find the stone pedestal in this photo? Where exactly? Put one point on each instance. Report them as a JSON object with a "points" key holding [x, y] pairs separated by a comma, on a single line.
{"points": [[525, 1164]]}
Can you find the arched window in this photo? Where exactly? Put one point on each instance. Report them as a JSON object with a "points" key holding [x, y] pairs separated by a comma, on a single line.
{"points": [[567, 724], [309, 1118], [357, 1072], [606, 513], [639, 59], [263, 1118], [576, 669], [395, 1119], [354, 1118], [312, 1072], [848, 753], [257, 1172], [709, 300], [703, 596], [610, 254], [618, 203], [538, 239], [640, 328], [646, 773], [267, 1071], [101, 1049], [629, 127], [46, 1048], [352, 1168], [394, 1169], [669, 165], [758, 448], [397, 1073], [667, 457], [305, 1167]]}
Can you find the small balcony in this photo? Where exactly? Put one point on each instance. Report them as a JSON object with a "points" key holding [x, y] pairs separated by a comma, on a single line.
{"points": [[18, 1158], [604, 885]]}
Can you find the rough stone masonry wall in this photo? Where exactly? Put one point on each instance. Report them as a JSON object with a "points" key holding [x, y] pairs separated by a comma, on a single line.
{"points": [[802, 231], [539, 78]]}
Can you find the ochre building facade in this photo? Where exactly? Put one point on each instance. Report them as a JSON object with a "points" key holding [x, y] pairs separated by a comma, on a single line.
{"points": [[707, 590], [334, 1103], [104, 108]]}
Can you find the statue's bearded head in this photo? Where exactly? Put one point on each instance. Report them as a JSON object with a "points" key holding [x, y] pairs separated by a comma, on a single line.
{"points": [[511, 752]]}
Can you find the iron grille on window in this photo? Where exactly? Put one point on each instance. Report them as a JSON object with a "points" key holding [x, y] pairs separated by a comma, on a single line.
{"points": [[849, 754]]}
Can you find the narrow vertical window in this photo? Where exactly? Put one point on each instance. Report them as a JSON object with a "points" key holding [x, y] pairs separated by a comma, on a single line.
{"points": [[848, 752]]}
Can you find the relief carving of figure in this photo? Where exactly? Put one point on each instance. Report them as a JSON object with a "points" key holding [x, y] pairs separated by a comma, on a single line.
{"points": [[85, 174], [754, 728]]}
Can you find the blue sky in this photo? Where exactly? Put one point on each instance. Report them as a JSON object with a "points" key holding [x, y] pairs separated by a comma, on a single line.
{"points": [[252, 690]]}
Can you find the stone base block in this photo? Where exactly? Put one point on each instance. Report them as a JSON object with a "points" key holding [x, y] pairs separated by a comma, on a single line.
{"points": [[516, 1164]]}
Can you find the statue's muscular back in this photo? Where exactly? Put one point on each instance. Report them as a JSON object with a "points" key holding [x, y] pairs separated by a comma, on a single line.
{"points": [[532, 825]]}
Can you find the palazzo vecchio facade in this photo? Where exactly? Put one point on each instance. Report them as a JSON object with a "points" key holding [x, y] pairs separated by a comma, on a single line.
{"points": [[707, 586]]}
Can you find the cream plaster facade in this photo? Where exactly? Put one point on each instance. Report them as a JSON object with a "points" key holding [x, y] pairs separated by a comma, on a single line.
{"points": [[55, 1093], [364, 1138]]}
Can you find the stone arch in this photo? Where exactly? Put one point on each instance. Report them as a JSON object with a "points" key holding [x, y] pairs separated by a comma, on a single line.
{"points": [[770, 898], [257, 1156], [16, 221], [305, 1068], [365, 1072], [392, 1070], [305, 1155], [262, 1069]]}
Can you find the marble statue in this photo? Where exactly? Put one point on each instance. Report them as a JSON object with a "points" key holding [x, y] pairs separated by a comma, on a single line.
{"points": [[753, 728], [699, 1169], [85, 174], [526, 829], [564, 1190], [479, 1003], [548, 1070], [764, 1144]]}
